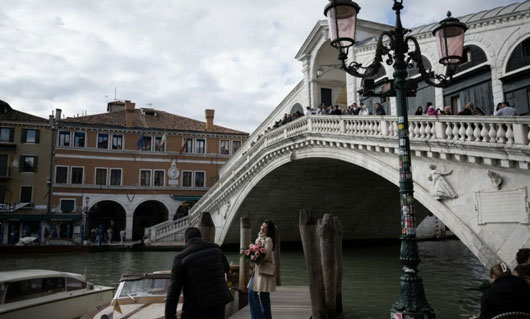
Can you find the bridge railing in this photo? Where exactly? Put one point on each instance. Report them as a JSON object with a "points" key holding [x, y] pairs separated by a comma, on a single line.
{"points": [[161, 230], [472, 130]]}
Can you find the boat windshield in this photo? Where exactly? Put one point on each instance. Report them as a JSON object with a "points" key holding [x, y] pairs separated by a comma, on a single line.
{"points": [[144, 287]]}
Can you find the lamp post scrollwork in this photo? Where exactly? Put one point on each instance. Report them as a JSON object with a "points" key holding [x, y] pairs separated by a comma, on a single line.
{"points": [[393, 49]]}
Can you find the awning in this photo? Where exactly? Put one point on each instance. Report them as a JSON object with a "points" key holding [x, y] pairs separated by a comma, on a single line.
{"points": [[185, 198], [40, 217]]}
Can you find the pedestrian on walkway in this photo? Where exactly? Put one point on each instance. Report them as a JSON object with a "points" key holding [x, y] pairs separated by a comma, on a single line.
{"points": [[122, 236], [263, 280], [200, 271]]}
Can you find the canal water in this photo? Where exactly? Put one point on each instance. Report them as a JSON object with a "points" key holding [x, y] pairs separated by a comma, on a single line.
{"points": [[450, 272]]}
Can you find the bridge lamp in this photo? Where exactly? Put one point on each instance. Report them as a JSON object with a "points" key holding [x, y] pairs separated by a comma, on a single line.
{"points": [[393, 48]]}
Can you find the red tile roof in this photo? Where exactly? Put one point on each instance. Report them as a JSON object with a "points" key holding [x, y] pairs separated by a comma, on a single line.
{"points": [[7, 113], [161, 120]]}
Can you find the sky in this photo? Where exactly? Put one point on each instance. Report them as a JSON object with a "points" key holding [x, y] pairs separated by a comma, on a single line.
{"points": [[234, 56]]}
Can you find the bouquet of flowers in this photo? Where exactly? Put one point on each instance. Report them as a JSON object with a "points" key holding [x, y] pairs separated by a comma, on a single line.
{"points": [[254, 253]]}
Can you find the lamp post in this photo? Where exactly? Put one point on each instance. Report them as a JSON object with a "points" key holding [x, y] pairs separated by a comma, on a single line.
{"points": [[394, 46]]}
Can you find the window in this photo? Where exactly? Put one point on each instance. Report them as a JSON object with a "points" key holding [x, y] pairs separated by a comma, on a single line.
{"points": [[117, 142], [30, 136], [188, 148], [159, 178], [6, 134], [146, 143], [4, 168], [74, 284], [103, 140], [64, 138], [67, 205], [235, 146], [33, 288], [115, 176], [101, 176], [225, 147], [199, 179], [26, 194], [466, 55], [61, 174], [77, 175], [79, 139], [145, 177], [200, 146], [526, 48], [28, 163], [160, 143], [186, 178]]}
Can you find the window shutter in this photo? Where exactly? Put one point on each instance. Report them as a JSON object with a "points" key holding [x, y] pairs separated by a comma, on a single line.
{"points": [[37, 136], [36, 163], [11, 134], [21, 164], [23, 135]]}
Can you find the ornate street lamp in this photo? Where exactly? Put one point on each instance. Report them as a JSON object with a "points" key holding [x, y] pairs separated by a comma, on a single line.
{"points": [[393, 45]]}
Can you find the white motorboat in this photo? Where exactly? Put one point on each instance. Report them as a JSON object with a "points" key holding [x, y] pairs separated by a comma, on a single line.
{"points": [[138, 296], [143, 296], [35, 293]]}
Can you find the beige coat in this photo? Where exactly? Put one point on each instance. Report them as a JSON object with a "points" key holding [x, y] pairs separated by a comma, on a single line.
{"points": [[264, 283]]}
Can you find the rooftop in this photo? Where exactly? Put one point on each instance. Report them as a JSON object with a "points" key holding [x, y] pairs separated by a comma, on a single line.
{"points": [[7, 113], [148, 119]]}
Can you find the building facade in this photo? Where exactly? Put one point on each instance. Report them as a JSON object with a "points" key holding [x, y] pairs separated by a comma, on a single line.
{"points": [[25, 158], [128, 169]]}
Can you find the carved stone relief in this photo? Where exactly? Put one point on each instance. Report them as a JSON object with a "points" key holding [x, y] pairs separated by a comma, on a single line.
{"points": [[496, 179], [440, 189]]}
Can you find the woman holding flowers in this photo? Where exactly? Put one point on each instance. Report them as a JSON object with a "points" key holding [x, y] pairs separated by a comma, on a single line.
{"points": [[263, 280]]}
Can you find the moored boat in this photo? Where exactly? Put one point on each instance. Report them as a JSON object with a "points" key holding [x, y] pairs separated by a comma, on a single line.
{"points": [[35, 293]]}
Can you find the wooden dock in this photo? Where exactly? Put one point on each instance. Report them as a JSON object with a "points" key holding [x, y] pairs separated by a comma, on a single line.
{"points": [[288, 302]]}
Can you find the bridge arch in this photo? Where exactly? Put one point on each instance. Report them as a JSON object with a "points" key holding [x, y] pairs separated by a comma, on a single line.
{"points": [[378, 167]]}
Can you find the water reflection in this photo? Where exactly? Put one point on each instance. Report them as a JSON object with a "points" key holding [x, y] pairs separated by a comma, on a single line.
{"points": [[450, 272]]}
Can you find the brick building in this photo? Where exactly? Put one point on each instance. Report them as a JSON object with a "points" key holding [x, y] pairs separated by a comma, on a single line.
{"points": [[128, 168], [25, 158]]}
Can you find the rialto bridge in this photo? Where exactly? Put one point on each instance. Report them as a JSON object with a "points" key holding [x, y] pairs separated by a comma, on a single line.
{"points": [[472, 173]]}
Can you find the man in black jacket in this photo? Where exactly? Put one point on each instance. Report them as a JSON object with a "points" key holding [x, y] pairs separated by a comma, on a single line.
{"points": [[200, 270]]}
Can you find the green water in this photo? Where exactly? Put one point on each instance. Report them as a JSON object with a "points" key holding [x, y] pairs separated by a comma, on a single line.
{"points": [[450, 272]]}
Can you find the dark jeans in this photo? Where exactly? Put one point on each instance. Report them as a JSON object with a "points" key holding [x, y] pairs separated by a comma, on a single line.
{"points": [[259, 302]]}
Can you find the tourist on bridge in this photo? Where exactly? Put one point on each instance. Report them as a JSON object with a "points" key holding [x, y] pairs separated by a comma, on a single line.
{"points": [[523, 271], [379, 109], [469, 109], [507, 294], [506, 110], [263, 280], [200, 271], [419, 110]]}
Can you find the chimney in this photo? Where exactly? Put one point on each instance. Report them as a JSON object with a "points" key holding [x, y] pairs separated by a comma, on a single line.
{"points": [[129, 113], [209, 119], [58, 114]]}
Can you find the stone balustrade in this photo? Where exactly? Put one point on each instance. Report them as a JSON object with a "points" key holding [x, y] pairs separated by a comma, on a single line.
{"points": [[159, 231], [488, 140]]}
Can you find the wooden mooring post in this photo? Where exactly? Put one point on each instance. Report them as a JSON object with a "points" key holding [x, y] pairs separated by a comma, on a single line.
{"points": [[244, 268], [308, 233], [207, 227], [277, 250], [338, 262], [322, 242]]}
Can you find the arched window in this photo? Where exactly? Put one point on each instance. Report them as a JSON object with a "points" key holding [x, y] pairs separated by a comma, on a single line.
{"points": [[297, 108], [520, 57], [472, 56]]}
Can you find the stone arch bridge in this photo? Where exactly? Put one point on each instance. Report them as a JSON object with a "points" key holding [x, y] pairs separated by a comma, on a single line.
{"points": [[348, 166]]}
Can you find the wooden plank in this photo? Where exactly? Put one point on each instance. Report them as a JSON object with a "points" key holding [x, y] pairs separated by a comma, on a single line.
{"points": [[287, 302]]}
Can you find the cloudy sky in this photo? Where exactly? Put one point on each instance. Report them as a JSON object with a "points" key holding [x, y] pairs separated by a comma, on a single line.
{"points": [[235, 56]]}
